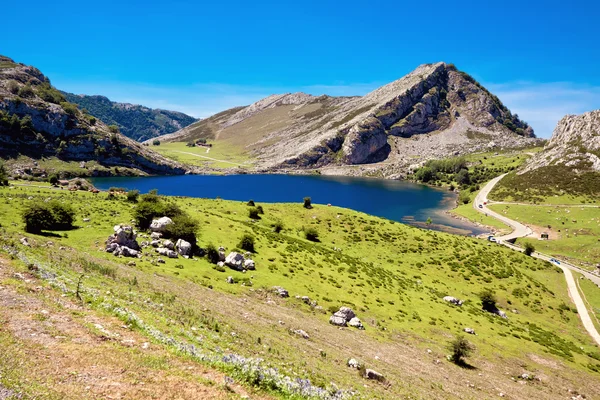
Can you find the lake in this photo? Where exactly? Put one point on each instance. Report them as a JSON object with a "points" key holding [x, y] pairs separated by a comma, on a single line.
{"points": [[396, 200]]}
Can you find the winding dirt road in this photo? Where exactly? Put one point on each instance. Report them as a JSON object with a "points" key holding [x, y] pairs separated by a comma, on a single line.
{"points": [[520, 230]]}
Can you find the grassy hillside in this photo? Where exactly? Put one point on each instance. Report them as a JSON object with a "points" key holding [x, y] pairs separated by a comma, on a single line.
{"points": [[219, 156], [394, 276]]}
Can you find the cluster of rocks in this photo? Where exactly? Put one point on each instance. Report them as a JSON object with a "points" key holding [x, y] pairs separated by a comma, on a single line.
{"points": [[123, 242], [345, 317], [281, 292], [236, 261], [172, 250]]}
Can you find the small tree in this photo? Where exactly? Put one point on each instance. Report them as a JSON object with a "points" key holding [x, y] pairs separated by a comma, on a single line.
{"points": [[250, 203], [307, 203], [3, 175], [132, 196], [529, 249], [488, 299], [156, 142], [183, 227], [277, 226], [260, 210], [461, 349], [113, 128], [247, 243], [253, 213]]}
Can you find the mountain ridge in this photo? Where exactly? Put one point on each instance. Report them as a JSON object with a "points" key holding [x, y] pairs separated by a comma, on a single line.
{"points": [[134, 120]]}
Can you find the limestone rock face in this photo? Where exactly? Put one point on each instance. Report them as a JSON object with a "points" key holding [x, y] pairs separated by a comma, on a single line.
{"points": [[575, 143]]}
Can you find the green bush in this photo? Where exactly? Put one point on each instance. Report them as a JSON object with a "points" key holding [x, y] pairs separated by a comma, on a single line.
{"points": [[151, 206], [47, 93], [132, 196], [13, 87], [460, 348], [247, 243], [277, 226], [253, 213], [464, 197], [307, 202], [3, 175], [311, 234], [212, 254], [488, 299], [69, 108], [26, 92], [53, 179], [156, 142], [529, 249], [260, 210], [113, 128], [250, 203], [183, 227], [48, 216]]}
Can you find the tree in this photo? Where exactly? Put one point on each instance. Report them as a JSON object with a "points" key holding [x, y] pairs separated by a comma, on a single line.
{"points": [[113, 128], [3, 175], [460, 348], [250, 203], [253, 213], [183, 227], [247, 243], [464, 197], [307, 202], [277, 226], [48, 216], [463, 177], [156, 142], [424, 174], [529, 249], [488, 300]]}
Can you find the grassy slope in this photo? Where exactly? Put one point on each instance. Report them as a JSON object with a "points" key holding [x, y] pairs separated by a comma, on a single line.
{"points": [[579, 229], [231, 157], [393, 275]]}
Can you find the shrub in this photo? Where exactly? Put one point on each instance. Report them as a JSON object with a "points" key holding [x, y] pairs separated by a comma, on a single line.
{"points": [[132, 196], [26, 92], [488, 299], [3, 175], [48, 216], [47, 93], [53, 179], [277, 226], [253, 213], [529, 249], [247, 243], [212, 254], [156, 142], [260, 209], [460, 348], [69, 108], [113, 128], [92, 120], [464, 197], [307, 203], [13, 87], [250, 203], [311, 234], [183, 227], [150, 207]]}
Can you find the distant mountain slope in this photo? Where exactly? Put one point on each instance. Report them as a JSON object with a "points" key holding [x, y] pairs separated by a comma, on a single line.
{"points": [[134, 121], [433, 112], [37, 121], [569, 163]]}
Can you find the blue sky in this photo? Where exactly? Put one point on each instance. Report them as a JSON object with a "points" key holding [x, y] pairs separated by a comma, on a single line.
{"points": [[541, 58]]}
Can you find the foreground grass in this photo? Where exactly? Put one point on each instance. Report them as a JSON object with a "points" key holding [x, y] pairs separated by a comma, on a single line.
{"points": [[577, 229], [394, 276]]}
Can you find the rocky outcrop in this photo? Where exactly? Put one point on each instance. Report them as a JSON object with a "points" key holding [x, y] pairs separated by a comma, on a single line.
{"points": [[575, 143], [345, 317], [160, 224], [37, 121], [123, 242]]}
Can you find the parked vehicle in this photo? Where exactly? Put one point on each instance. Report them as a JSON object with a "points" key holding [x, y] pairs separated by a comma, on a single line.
{"points": [[555, 261]]}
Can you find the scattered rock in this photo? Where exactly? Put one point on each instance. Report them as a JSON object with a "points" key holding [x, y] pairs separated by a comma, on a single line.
{"points": [[86, 220], [159, 225], [281, 292], [353, 363], [470, 331], [235, 260], [301, 333], [453, 300], [306, 299], [355, 323], [155, 235], [168, 244], [372, 374], [24, 241], [230, 279], [163, 251], [337, 321], [249, 264], [184, 248]]}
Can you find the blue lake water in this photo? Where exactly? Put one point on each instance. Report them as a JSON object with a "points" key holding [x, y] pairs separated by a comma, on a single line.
{"points": [[396, 200]]}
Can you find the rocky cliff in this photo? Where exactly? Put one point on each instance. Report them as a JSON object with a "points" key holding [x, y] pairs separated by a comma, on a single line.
{"points": [[434, 112], [38, 122], [134, 121], [575, 143]]}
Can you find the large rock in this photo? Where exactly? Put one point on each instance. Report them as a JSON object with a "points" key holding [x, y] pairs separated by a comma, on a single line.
{"points": [[163, 251], [235, 260], [249, 264], [372, 374], [124, 235], [281, 292], [168, 244], [184, 248], [346, 313], [337, 320], [355, 323], [453, 300], [160, 224]]}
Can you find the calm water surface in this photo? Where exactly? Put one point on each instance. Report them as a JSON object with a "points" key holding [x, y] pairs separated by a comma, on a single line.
{"points": [[396, 200]]}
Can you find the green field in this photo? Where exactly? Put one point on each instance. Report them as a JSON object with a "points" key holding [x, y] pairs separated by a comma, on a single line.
{"points": [[393, 275], [577, 229], [467, 211], [220, 155]]}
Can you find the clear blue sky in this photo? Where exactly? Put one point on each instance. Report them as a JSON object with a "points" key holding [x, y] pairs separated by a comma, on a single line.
{"points": [[541, 57]]}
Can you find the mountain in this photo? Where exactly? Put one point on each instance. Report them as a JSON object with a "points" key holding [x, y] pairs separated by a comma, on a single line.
{"points": [[569, 163], [434, 112], [134, 121], [36, 121]]}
